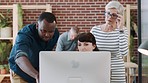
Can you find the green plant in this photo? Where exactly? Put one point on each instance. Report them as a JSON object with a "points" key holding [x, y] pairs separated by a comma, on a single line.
{"points": [[4, 20], [2, 67], [20, 16], [133, 34], [5, 48]]}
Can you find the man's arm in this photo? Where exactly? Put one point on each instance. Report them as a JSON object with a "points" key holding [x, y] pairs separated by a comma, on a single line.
{"points": [[26, 66], [60, 45]]}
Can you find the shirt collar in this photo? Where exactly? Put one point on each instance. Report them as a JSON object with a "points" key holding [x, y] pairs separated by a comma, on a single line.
{"points": [[68, 36]]}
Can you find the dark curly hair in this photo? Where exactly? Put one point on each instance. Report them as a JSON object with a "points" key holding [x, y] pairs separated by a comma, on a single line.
{"points": [[49, 17]]}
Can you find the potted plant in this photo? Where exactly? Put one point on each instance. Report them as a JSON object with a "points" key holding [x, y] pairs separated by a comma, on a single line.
{"points": [[5, 48], [2, 69], [5, 25]]}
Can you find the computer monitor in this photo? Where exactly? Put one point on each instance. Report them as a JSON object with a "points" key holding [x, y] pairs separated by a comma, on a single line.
{"points": [[74, 67]]}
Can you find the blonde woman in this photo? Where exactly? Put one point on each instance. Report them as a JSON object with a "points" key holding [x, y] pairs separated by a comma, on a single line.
{"points": [[112, 36]]}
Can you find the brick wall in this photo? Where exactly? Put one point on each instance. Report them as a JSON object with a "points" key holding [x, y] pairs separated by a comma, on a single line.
{"points": [[83, 13]]}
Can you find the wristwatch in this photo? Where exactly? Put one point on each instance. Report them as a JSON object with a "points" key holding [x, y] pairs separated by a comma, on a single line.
{"points": [[121, 31]]}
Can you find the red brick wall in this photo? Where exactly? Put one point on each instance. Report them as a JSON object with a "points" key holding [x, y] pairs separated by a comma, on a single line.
{"points": [[83, 13]]}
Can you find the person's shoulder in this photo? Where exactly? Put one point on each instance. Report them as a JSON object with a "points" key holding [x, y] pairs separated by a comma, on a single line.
{"points": [[56, 34], [96, 27], [64, 34], [28, 31], [56, 31], [28, 28]]}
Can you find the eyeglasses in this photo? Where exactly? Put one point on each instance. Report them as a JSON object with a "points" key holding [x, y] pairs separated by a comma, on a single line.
{"points": [[114, 16]]}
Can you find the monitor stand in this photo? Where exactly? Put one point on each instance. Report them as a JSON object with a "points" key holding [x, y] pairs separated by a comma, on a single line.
{"points": [[74, 80]]}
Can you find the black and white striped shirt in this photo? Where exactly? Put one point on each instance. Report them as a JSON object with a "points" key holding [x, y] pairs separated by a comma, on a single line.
{"points": [[116, 42]]}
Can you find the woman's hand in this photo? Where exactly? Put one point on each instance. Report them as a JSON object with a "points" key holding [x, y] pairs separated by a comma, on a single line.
{"points": [[120, 22]]}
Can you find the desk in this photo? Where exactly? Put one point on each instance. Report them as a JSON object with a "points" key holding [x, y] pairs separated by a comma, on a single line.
{"points": [[128, 66], [2, 76]]}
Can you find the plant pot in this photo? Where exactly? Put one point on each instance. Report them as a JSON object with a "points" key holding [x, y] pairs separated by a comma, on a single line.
{"points": [[3, 71], [6, 32]]}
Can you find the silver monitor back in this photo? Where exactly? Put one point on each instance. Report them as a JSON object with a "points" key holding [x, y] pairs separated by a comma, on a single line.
{"points": [[74, 67]]}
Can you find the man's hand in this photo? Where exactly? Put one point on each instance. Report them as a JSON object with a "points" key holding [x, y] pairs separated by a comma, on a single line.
{"points": [[27, 67], [37, 78]]}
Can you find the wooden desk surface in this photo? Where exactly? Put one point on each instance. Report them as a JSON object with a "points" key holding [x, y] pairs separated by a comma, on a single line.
{"points": [[2, 76], [130, 65]]}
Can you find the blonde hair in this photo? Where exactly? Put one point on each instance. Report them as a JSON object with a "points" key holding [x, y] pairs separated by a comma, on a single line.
{"points": [[117, 5]]}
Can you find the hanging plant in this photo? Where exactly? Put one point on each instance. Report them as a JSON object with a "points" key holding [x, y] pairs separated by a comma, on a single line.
{"points": [[20, 16]]}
